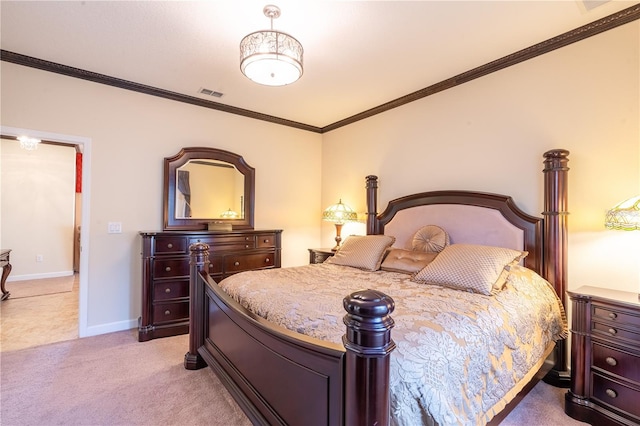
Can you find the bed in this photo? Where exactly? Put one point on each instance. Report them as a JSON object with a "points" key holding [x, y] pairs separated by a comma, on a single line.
{"points": [[297, 358]]}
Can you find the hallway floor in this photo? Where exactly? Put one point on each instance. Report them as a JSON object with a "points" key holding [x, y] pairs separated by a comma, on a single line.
{"points": [[38, 320]]}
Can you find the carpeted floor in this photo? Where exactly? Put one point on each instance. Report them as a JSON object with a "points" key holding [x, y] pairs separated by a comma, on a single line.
{"points": [[40, 287], [111, 379], [33, 321]]}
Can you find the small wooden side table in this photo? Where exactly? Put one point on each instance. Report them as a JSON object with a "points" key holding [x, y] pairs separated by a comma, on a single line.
{"points": [[319, 255], [6, 270]]}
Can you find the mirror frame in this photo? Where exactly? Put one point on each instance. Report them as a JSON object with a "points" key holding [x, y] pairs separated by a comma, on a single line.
{"points": [[171, 164]]}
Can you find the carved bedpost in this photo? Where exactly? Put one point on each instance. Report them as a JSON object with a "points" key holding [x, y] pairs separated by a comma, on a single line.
{"points": [[555, 240], [369, 346], [198, 263], [372, 204]]}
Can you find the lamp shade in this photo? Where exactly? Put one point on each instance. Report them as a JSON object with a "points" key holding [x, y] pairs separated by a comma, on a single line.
{"points": [[624, 216], [339, 213], [270, 57]]}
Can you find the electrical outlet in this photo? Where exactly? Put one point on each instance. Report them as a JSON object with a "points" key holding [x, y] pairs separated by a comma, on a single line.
{"points": [[39, 258], [114, 228]]}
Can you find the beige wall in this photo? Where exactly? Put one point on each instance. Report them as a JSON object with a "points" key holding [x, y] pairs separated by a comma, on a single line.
{"points": [[130, 134], [37, 204], [487, 135], [490, 134]]}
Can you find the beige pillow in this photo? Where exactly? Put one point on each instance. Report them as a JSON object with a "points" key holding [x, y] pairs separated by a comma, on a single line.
{"points": [[430, 238], [481, 269], [406, 261], [362, 251]]}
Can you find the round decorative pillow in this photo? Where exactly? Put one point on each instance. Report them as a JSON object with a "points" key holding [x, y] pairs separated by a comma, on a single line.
{"points": [[430, 238]]}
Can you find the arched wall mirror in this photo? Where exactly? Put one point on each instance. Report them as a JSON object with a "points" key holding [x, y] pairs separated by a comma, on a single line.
{"points": [[207, 185]]}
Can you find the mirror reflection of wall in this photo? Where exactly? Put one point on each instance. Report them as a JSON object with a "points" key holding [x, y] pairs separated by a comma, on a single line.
{"points": [[208, 189]]}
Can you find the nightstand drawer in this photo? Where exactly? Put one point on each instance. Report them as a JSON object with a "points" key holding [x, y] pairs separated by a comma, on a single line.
{"points": [[164, 312], [620, 363], [319, 255], [617, 316], [163, 290], [616, 394], [611, 331]]}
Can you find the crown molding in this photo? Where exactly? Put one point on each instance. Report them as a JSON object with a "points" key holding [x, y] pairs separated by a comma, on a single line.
{"points": [[615, 20]]}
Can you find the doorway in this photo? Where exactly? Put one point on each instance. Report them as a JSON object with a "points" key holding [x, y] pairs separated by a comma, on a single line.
{"points": [[84, 145]]}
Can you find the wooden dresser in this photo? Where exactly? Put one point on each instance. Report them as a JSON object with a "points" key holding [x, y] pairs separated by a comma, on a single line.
{"points": [[165, 271], [605, 357]]}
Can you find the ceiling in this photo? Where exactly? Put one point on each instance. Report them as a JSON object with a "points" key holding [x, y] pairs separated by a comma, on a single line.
{"points": [[357, 54]]}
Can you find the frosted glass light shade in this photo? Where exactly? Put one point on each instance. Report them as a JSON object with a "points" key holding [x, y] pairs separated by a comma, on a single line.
{"points": [[272, 58]]}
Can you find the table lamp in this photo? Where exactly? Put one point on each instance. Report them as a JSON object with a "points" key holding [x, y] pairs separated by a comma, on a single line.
{"points": [[339, 214], [625, 216]]}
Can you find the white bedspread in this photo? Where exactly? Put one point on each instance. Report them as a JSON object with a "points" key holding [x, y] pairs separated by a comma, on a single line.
{"points": [[460, 356]]}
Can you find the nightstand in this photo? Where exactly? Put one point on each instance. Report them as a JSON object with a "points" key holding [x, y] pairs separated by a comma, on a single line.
{"points": [[605, 357], [319, 255]]}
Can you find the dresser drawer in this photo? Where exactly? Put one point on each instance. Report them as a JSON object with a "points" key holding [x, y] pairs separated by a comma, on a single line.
{"points": [[612, 330], [618, 362], [165, 312], [265, 240], [245, 262], [173, 289], [171, 245], [216, 264], [616, 394], [166, 268], [618, 316], [227, 242]]}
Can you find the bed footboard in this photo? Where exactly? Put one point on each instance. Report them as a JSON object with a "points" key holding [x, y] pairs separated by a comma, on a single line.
{"points": [[281, 377]]}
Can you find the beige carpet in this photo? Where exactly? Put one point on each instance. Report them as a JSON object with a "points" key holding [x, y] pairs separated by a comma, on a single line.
{"points": [[113, 379], [40, 287]]}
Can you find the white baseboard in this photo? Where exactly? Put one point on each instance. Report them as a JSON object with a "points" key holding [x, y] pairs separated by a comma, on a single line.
{"points": [[39, 276], [112, 327]]}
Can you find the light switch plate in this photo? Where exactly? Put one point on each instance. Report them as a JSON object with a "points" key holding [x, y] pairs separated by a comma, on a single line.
{"points": [[114, 228]]}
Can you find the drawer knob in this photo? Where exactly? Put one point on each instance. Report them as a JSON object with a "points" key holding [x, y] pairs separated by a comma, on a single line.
{"points": [[167, 312], [169, 245], [613, 315], [611, 393], [613, 331], [168, 268], [266, 240], [266, 260], [246, 238], [246, 246], [237, 263], [611, 361], [167, 290]]}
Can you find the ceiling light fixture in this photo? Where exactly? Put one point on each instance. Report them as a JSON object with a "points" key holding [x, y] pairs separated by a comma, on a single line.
{"points": [[28, 143], [269, 57]]}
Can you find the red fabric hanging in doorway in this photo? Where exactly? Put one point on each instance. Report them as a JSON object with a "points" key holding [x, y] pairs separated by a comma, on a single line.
{"points": [[78, 172]]}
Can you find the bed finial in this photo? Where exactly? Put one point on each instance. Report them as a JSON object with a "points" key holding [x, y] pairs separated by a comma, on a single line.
{"points": [[369, 346], [198, 264], [555, 240], [372, 203]]}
